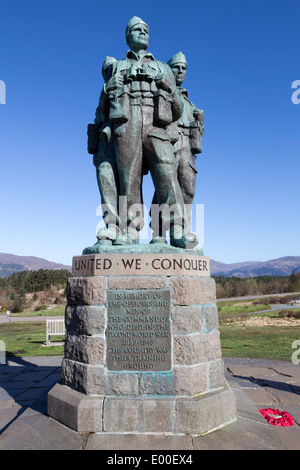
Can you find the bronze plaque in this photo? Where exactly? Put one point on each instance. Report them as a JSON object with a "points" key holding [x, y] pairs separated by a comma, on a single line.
{"points": [[138, 330]]}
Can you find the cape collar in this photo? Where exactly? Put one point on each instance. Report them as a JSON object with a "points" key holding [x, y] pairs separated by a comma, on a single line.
{"points": [[132, 55], [184, 91]]}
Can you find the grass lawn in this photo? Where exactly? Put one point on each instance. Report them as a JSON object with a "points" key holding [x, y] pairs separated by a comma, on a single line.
{"points": [[27, 339], [56, 311], [236, 308], [273, 342], [267, 342]]}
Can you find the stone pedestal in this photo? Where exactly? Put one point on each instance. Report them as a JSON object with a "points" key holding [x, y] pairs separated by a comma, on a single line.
{"points": [[142, 349]]}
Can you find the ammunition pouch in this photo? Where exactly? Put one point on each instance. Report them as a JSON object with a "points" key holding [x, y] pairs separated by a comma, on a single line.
{"points": [[117, 107], [162, 108], [195, 137], [93, 138], [172, 131]]}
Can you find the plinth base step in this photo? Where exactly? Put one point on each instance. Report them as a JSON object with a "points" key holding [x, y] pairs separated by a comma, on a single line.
{"points": [[155, 414]]}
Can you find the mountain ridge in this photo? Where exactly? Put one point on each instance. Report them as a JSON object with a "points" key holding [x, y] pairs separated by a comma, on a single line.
{"points": [[10, 263], [284, 266]]}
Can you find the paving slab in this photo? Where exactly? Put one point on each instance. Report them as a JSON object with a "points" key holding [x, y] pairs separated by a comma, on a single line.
{"points": [[246, 382], [294, 411], [245, 407], [8, 396], [30, 394], [7, 369], [24, 424], [250, 371], [8, 415], [50, 380], [285, 397], [295, 387], [259, 395], [34, 376], [288, 370], [290, 435], [242, 435], [115, 441], [21, 384], [250, 431], [39, 432], [41, 361], [39, 406]]}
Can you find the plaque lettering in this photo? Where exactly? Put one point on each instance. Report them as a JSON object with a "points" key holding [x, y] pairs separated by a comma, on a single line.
{"points": [[138, 330]]}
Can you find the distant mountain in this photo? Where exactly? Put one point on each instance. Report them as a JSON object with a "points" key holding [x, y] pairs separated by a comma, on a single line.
{"points": [[276, 267], [8, 269], [10, 264]]}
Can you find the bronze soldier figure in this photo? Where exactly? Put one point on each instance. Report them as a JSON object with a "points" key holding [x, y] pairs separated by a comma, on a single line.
{"points": [[139, 102], [101, 145], [144, 100], [186, 135], [190, 131]]}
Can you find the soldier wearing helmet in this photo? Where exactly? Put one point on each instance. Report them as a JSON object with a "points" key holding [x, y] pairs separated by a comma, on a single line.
{"points": [[186, 135], [190, 131]]}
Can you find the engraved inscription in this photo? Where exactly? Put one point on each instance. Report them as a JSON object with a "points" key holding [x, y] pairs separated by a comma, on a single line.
{"points": [[140, 265], [138, 330]]}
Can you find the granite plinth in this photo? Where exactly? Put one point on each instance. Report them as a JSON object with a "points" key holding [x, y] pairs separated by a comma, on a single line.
{"points": [[142, 352]]}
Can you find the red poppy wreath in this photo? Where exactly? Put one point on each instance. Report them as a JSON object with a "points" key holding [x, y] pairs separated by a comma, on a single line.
{"points": [[277, 417]]}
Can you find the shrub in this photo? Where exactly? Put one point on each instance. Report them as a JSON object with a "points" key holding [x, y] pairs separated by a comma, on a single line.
{"points": [[289, 313], [40, 307]]}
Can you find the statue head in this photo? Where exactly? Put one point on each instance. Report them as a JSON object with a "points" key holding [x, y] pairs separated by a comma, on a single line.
{"points": [[178, 65], [137, 34]]}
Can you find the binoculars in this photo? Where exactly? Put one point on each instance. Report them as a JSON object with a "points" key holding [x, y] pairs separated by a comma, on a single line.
{"points": [[138, 74]]}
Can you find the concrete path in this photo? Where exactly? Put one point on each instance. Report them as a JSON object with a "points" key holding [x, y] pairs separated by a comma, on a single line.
{"points": [[24, 424], [264, 296], [12, 318], [274, 308]]}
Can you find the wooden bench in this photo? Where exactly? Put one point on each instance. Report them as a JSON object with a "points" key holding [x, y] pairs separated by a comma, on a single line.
{"points": [[54, 328]]}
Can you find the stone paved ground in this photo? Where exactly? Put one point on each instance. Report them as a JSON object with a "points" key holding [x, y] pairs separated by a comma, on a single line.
{"points": [[273, 385], [24, 424]]}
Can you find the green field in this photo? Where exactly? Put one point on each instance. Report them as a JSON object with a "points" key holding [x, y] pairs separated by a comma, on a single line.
{"points": [[273, 342], [56, 311], [267, 342], [232, 307], [27, 339]]}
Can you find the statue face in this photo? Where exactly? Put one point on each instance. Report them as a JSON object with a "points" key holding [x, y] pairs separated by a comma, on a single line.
{"points": [[138, 37], [179, 71]]}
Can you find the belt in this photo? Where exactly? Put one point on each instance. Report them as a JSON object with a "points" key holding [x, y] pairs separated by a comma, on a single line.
{"points": [[141, 101]]}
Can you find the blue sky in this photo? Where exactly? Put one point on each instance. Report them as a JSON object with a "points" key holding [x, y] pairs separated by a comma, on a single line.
{"points": [[242, 59]]}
